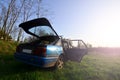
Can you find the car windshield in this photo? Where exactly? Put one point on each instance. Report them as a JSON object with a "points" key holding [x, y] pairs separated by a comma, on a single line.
{"points": [[42, 31]]}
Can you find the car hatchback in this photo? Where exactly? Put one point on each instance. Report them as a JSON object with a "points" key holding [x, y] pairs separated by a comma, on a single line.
{"points": [[44, 48]]}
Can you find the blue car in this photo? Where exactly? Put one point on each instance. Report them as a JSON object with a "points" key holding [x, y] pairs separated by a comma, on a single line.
{"points": [[43, 47]]}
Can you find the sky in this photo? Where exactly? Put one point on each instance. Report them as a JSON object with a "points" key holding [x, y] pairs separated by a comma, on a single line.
{"points": [[95, 21]]}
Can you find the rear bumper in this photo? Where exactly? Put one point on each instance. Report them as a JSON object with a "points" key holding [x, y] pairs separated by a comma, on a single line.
{"points": [[36, 60]]}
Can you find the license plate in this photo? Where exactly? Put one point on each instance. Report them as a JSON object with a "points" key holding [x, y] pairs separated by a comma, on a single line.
{"points": [[27, 51]]}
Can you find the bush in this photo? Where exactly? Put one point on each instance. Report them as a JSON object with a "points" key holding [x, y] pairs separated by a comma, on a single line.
{"points": [[7, 47], [4, 35]]}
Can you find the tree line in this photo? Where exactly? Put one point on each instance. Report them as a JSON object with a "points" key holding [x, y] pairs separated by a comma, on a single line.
{"points": [[13, 12]]}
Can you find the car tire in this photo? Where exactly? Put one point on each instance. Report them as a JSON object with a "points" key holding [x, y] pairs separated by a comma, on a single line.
{"points": [[60, 62]]}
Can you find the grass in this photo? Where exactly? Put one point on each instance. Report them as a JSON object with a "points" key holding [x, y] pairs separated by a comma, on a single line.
{"points": [[94, 66]]}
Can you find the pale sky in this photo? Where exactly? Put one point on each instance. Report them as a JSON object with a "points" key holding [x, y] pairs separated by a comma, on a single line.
{"points": [[94, 21]]}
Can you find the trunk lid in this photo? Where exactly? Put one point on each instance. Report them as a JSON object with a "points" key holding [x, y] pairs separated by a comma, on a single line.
{"points": [[38, 27]]}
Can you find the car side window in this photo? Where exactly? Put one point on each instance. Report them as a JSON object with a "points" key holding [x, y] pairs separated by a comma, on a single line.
{"points": [[65, 45], [81, 45], [77, 44]]}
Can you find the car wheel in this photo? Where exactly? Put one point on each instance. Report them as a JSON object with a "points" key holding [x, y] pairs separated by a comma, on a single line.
{"points": [[60, 62]]}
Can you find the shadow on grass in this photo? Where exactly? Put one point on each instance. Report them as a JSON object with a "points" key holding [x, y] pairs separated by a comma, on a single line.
{"points": [[9, 66]]}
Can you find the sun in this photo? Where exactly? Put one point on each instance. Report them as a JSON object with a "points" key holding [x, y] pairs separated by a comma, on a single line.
{"points": [[106, 29]]}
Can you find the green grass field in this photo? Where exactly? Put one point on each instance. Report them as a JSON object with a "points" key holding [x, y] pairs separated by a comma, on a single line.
{"points": [[94, 66]]}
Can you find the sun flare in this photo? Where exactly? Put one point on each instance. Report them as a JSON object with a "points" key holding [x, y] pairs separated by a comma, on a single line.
{"points": [[106, 29]]}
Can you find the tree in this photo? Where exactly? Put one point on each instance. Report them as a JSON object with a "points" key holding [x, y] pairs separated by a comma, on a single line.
{"points": [[29, 9], [89, 45], [9, 16], [13, 12]]}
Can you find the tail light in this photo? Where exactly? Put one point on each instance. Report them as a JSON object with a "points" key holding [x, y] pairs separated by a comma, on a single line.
{"points": [[18, 49], [40, 51]]}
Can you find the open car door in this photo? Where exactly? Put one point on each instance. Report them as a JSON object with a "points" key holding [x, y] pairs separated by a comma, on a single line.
{"points": [[74, 50]]}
